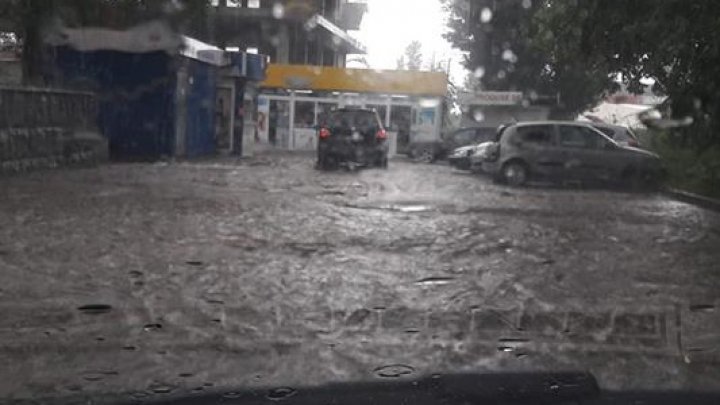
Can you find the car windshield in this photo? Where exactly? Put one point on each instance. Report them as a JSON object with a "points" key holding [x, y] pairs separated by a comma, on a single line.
{"points": [[253, 200]]}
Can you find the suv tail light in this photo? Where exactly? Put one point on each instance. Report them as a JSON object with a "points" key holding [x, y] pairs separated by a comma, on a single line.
{"points": [[381, 134], [324, 133]]}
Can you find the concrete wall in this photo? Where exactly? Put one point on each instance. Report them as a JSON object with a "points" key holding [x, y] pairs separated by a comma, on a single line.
{"points": [[44, 128], [10, 72]]}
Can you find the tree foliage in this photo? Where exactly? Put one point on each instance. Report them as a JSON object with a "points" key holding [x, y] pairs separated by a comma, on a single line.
{"points": [[578, 49], [413, 56]]}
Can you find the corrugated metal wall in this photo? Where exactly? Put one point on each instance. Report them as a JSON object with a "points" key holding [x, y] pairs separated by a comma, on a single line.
{"points": [[136, 94], [201, 109]]}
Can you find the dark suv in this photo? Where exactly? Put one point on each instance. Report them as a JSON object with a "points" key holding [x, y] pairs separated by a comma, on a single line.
{"points": [[567, 151], [352, 137]]}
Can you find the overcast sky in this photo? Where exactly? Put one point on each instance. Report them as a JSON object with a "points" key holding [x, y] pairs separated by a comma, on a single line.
{"points": [[390, 25]]}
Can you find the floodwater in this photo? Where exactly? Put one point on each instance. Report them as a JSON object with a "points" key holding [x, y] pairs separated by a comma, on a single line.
{"points": [[144, 280]]}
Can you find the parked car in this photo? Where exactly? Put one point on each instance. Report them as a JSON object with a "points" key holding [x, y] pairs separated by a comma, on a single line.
{"points": [[470, 157], [352, 137], [430, 151], [566, 151], [621, 135]]}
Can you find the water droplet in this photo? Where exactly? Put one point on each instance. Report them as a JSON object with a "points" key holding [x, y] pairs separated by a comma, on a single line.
{"points": [[702, 308], [208, 384], [129, 348], [412, 331], [478, 115], [95, 309], [504, 348], [501, 74], [100, 339], [310, 24], [393, 370], [185, 375], [161, 388], [509, 56], [527, 4], [194, 262], [278, 394], [521, 355], [73, 388], [152, 327], [97, 375], [486, 15], [138, 283], [479, 72], [139, 395], [232, 395], [278, 10], [198, 389], [435, 376], [216, 320], [438, 280], [525, 103]]}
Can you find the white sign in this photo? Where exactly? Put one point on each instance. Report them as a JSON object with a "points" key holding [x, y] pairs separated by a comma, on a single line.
{"points": [[491, 98]]}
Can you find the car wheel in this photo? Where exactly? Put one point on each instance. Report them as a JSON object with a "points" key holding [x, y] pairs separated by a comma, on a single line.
{"points": [[514, 173], [424, 155]]}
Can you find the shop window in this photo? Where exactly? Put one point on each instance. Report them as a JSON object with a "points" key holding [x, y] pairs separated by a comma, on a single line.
{"points": [[304, 114]]}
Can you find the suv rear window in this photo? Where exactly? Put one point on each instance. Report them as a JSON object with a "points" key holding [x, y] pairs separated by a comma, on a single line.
{"points": [[347, 119], [535, 134]]}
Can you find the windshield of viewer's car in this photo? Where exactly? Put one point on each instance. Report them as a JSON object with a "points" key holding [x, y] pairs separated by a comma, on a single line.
{"points": [[237, 199]]}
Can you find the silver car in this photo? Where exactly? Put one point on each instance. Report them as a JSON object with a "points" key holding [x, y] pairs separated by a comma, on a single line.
{"points": [[567, 151]]}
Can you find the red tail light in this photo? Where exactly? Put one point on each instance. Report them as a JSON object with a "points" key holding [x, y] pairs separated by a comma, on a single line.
{"points": [[381, 134], [324, 133]]}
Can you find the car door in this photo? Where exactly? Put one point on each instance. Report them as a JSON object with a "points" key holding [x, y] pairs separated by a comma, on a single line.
{"points": [[583, 151], [535, 145]]}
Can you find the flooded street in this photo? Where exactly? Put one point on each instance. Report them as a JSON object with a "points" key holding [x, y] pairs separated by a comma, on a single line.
{"points": [[151, 279]]}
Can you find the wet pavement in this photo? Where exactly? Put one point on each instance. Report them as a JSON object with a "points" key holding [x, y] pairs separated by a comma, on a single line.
{"points": [[152, 279]]}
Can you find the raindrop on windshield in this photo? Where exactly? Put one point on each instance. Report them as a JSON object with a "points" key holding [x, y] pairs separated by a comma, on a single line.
{"points": [[232, 395], [185, 375], [152, 327], [702, 308], [509, 56], [393, 370], [278, 10], [438, 280], [194, 263], [478, 115], [527, 4], [129, 348], [486, 15], [281, 393], [161, 389], [479, 72], [95, 309], [501, 74]]}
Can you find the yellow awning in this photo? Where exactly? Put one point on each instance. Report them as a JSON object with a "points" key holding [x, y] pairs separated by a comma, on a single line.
{"points": [[323, 78]]}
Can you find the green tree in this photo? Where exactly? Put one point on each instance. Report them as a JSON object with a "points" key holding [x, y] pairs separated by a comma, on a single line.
{"points": [[519, 45], [413, 56]]}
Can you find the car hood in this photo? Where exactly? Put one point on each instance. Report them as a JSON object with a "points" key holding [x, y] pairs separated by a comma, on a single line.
{"points": [[463, 150]]}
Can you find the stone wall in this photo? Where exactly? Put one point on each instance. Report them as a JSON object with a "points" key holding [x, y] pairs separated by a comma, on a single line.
{"points": [[46, 128]]}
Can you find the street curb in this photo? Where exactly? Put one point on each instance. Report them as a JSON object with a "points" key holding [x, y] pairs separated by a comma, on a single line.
{"points": [[695, 199]]}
